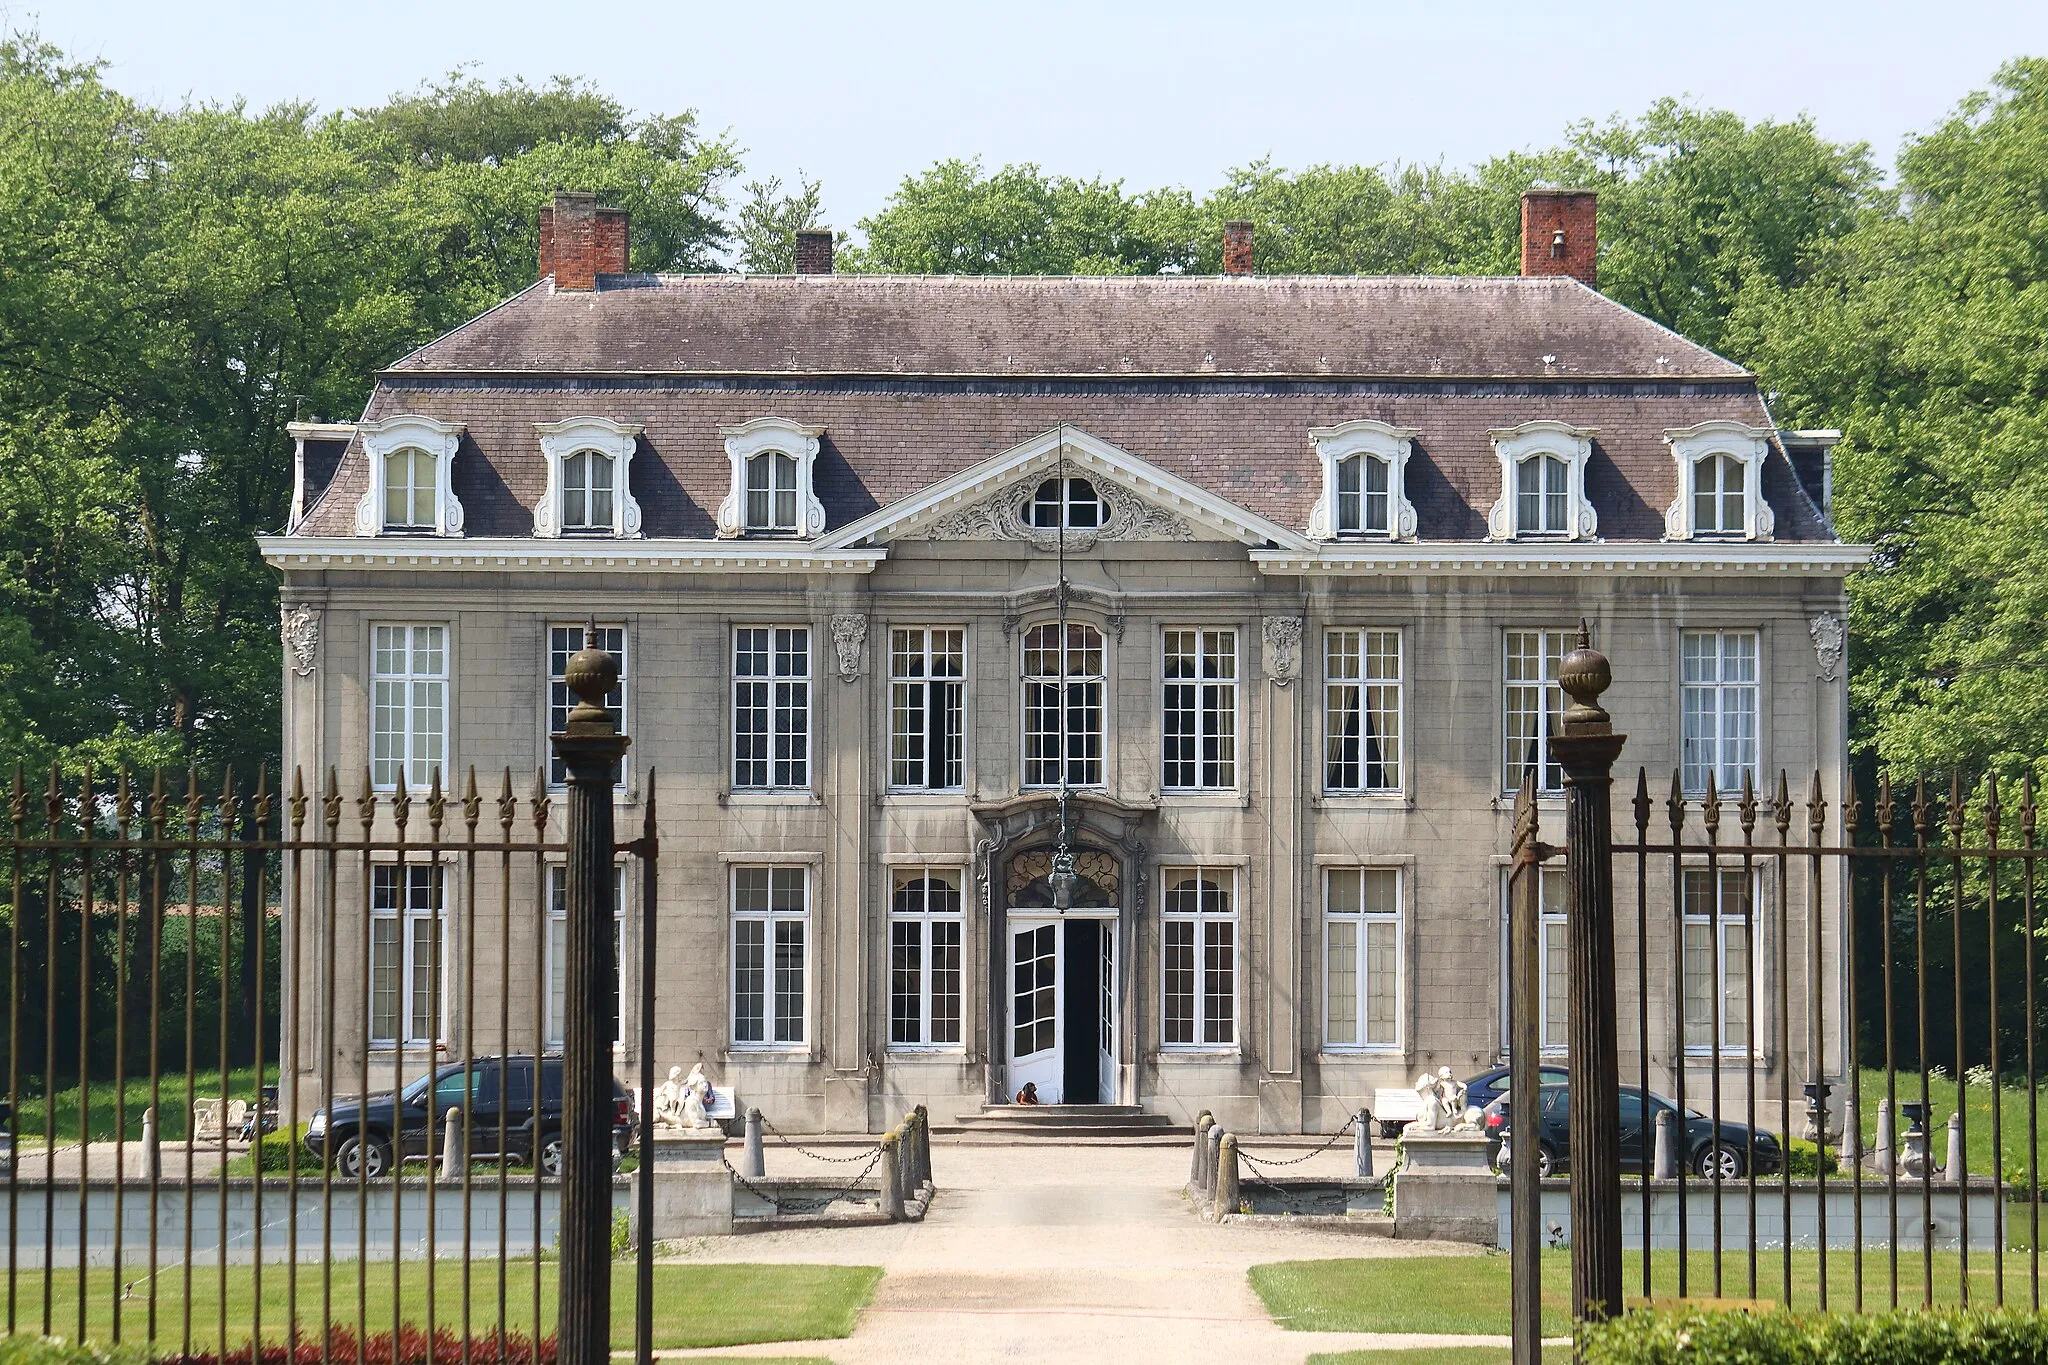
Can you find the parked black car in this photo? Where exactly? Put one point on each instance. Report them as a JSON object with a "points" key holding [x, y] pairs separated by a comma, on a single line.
{"points": [[362, 1133], [6, 1137], [1703, 1146], [1488, 1086]]}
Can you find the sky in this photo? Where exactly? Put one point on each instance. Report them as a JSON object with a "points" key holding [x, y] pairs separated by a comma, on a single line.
{"points": [[859, 96]]}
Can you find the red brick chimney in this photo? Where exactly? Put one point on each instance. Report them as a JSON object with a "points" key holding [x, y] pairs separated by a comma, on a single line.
{"points": [[580, 241], [814, 251], [1237, 247], [1561, 234]]}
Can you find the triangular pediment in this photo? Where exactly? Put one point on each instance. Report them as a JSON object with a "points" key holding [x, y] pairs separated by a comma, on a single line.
{"points": [[986, 502]]}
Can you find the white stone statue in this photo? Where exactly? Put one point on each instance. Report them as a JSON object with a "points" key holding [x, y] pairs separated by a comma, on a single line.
{"points": [[696, 1098], [668, 1100], [1442, 1108]]}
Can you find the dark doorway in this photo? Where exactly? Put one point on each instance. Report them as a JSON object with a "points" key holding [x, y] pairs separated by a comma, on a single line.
{"points": [[1081, 1059]]}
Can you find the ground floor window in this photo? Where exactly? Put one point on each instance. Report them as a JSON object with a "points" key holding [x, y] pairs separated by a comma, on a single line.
{"points": [[924, 958], [1199, 970], [1553, 962], [558, 952], [1362, 957], [407, 933], [770, 924], [1717, 905]]}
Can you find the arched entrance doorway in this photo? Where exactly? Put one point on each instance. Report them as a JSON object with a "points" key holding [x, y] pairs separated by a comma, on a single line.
{"points": [[1062, 1025]]}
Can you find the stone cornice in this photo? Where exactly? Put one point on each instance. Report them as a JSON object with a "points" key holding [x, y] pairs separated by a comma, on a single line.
{"points": [[498, 554], [1776, 560]]}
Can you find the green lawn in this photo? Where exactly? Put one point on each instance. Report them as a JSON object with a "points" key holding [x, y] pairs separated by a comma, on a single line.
{"points": [[1470, 1294], [172, 1116], [1941, 1091], [694, 1305], [1438, 1355]]}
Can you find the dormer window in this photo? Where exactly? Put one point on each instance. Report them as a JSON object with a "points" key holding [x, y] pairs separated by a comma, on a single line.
{"points": [[1720, 483], [1542, 496], [588, 478], [1543, 483], [1365, 465], [771, 493], [1070, 504], [410, 490], [589, 490], [772, 462]]}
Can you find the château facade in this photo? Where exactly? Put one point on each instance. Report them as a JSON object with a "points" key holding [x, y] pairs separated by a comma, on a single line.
{"points": [[1270, 575]]}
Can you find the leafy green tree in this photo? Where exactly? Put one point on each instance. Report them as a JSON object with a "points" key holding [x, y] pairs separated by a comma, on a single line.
{"points": [[1920, 335], [955, 219], [766, 226]]}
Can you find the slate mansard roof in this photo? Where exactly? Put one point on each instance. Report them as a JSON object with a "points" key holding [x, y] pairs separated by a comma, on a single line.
{"points": [[1214, 379]]}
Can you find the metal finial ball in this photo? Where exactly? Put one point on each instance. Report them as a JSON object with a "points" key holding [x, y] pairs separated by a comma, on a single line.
{"points": [[1584, 674], [592, 674]]}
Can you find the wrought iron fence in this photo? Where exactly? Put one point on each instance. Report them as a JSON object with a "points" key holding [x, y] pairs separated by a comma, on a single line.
{"points": [[1823, 1009], [220, 1005]]}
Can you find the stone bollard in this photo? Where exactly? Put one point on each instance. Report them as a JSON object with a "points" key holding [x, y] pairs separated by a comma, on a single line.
{"points": [[1211, 1159], [1953, 1172], [891, 1177], [1850, 1148], [1198, 1182], [451, 1145], [1665, 1163], [1361, 1145], [756, 1156], [924, 1148], [906, 1162], [152, 1155], [1226, 1177], [1886, 1148]]}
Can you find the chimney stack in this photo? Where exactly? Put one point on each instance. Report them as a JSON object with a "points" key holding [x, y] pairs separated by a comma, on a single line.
{"points": [[580, 240], [814, 251], [1237, 247], [1561, 234]]}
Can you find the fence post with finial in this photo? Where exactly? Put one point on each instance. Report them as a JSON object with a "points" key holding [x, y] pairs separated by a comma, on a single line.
{"points": [[1586, 746], [590, 748]]}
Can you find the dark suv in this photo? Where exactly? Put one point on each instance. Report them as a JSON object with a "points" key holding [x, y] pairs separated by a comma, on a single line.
{"points": [[361, 1132]]}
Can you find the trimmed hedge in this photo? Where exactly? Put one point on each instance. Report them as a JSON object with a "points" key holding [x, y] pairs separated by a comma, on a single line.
{"points": [[1964, 1337]]}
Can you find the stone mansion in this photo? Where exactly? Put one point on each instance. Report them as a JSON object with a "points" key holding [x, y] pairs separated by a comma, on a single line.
{"points": [[1272, 574]]}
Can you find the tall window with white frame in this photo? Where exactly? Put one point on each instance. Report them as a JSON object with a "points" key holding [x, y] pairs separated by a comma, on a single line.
{"points": [[927, 672], [1063, 672], [1198, 988], [1362, 711], [1200, 705], [1542, 496], [1719, 708], [1720, 502], [563, 644], [1553, 946], [771, 493], [589, 479], [411, 489], [1362, 502], [1532, 706], [771, 708], [408, 704], [1718, 906], [558, 952], [924, 958], [770, 932], [1362, 958], [408, 928]]}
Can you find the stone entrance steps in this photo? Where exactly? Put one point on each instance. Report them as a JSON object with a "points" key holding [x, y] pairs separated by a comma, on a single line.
{"points": [[1064, 1124]]}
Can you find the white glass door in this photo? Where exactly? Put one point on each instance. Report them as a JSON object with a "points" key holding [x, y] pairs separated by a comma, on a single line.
{"points": [[1035, 986], [1106, 980]]}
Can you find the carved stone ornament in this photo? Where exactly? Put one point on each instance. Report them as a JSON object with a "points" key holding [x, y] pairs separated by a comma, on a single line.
{"points": [[1000, 516], [849, 633], [1829, 636], [1283, 649], [302, 638]]}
